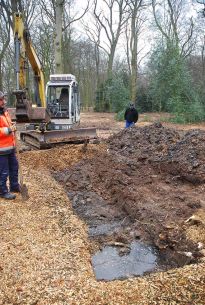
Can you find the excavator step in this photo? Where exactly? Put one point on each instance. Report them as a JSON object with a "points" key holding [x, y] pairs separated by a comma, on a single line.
{"points": [[53, 138]]}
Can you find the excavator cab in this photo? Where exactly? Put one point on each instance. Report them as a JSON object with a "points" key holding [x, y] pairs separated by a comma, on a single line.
{"points": [[62, 98]]}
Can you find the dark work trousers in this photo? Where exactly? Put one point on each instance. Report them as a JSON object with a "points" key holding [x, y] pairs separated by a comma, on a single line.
{"points": [[8, 168], [129, 124]]}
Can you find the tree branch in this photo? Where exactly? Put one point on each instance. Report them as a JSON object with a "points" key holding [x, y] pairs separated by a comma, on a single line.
{"points": [[78, 18]]}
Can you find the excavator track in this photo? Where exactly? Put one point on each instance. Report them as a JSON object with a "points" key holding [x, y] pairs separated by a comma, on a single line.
{"points": [[52, 138]]}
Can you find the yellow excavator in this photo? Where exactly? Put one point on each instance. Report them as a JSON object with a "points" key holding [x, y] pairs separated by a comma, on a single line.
{"points": [[54, 116]]}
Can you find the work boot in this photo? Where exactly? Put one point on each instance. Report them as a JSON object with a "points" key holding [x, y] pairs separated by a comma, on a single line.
{"points": [[8, 196]]}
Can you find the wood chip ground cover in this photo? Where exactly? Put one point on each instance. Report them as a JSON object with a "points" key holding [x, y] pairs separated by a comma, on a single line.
{"points": [[44, 253]]}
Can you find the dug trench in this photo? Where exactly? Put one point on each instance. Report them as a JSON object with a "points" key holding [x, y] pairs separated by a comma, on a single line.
{"points": [[136, 192]]}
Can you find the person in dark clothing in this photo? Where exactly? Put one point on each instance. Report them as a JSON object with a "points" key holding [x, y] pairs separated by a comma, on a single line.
{"points": [[131, 116], [8, 160]]}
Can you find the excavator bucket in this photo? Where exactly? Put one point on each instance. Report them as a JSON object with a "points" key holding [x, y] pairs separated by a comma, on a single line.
{"points": [[35, 115], [52, 138], [25, 112], [23, 107]]}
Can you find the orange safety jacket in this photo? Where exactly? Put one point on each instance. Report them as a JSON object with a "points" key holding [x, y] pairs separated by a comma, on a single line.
{"points": [[7, 138]]}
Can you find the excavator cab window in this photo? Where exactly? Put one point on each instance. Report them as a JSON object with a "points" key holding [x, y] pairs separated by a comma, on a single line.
{"points": [[76, 98], [58, 101], [64, 98]]}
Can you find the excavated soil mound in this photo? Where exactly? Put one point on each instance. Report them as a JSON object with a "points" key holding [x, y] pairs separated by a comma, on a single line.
{"points": [[142, 143], [183, 157], [187, 157]]}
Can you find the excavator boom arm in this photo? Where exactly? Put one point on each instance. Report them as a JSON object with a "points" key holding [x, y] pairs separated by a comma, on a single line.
{"points": [[37, 68], [25, 52]]}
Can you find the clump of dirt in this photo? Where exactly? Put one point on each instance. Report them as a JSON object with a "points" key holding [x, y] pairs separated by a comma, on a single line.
{"points": [[187, 157], [135, 181]]}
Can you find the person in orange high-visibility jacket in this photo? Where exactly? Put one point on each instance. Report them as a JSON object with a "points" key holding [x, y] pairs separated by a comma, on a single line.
{"points": [[8, 160]]}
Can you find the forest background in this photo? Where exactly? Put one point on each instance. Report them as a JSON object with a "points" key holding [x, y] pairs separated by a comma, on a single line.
{"points": [[150, 52]]}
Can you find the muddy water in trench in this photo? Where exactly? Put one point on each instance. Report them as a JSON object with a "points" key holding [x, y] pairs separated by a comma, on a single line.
{"points": [[108, 264], [115, 260]]}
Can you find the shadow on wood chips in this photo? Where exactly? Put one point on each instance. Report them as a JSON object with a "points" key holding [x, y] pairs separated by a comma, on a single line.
{"points": [[150, 180]]}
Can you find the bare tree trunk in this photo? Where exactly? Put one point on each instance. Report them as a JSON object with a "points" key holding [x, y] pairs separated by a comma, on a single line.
{"points": [[110, 61], [203, 59], [136, 24], [133, 48], [1, 78], [55, 11], [97, 63], [5, 39], [94, 33], [133, 89], [58, 36], [111, 29], [66, 48]]}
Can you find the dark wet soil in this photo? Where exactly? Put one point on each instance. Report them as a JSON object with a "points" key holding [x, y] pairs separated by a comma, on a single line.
{"points": [[141, 187]]}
